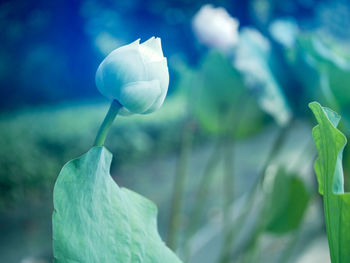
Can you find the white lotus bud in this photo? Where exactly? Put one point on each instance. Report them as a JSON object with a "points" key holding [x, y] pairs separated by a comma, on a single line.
{"points": [[136, 75], [215, 28]]}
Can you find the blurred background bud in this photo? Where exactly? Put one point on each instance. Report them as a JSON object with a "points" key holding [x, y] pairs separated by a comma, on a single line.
{"points": [[215, 28]]}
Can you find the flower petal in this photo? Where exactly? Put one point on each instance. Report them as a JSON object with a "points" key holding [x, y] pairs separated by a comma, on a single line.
{"points": [[137, 97], [133, 46], [151, 50], [159, 71], [122, 66]]}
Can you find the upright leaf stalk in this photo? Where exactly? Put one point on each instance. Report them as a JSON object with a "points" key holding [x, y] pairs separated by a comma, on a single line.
{"points": [[179, 185]]}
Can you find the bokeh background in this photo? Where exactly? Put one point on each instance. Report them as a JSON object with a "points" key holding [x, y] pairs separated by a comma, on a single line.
{"points": [[228, 158]]}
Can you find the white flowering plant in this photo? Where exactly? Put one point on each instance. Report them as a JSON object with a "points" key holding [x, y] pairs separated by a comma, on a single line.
{"points": [[94, 220]]}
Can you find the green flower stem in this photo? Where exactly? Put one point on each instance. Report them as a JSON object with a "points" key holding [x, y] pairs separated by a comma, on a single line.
{"points": [[201, 198], [276, 148], [228, 191], [288, 251], [252, 245], [179, 185], [256, 187], [107, 122]]}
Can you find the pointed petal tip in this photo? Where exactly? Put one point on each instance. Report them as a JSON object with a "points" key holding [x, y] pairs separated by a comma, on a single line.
{"points": [[148, 41], [154, 43]]}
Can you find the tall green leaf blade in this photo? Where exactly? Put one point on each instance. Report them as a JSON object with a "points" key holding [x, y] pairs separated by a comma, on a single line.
{"points": [[96, 221], [330, 143]]}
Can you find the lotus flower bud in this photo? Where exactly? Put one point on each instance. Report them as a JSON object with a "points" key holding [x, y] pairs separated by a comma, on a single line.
{"points": [[215, 28], [136, 75]]}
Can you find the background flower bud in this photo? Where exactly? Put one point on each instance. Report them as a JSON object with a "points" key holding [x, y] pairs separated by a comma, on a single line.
{"points": [[136, 75], [215, 28]]}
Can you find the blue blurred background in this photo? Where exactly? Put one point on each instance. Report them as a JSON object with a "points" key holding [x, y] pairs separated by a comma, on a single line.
{"points": [[283, 55], [50, 50]]}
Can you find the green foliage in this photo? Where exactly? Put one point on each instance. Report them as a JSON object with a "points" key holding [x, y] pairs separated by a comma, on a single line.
{"points": [[252, 56], [286, 203], [330, 143], [332, 67], [96, 221], [58, 133], [219, 100], [322, 68]]}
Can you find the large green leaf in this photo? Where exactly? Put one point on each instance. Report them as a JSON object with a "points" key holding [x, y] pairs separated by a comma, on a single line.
{"points": [[286, 202], [96, 221], [330, 143], [219, 100]]}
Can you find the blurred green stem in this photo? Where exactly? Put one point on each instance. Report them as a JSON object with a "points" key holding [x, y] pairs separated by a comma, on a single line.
{"points": [[201, 197], [107, 122], [228, 198], [252, 246], [179, 185], [275, 149], [288, 252]]}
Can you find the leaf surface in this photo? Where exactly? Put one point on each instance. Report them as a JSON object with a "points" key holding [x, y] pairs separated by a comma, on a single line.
{"points": [[286, 204], [219, 100], [94, 220], [330, 143], [252, 56]]}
